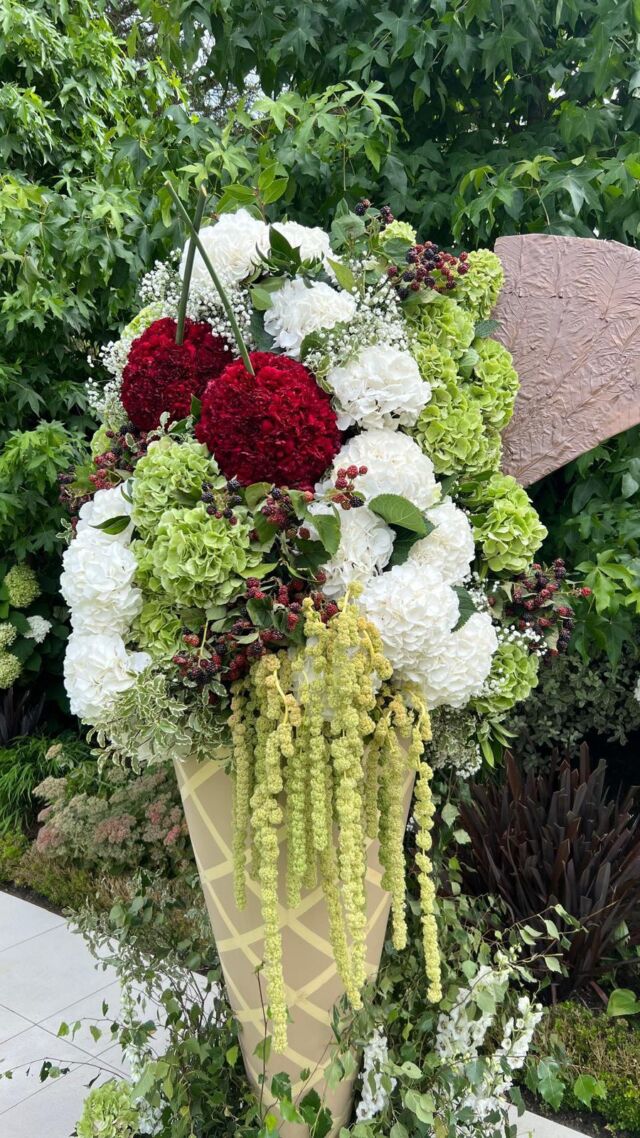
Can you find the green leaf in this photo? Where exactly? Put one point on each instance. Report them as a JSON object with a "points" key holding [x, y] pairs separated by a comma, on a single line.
{"points": [[232, 1055], [404, 542], [586, 1088], [328, 529], [623, 1002], [256, 493], [399, 511], [113, 526], [344, 275], [467, 607], [486, 328], [196, 407], [260, 610], [260, 298]]}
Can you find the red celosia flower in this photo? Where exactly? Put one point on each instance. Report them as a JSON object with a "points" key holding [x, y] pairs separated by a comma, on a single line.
{"points": [[161, 375], [275, 426]]}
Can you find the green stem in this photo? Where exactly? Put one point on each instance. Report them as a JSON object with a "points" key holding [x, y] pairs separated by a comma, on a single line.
{"points": [[242, 347], [188, 266]]}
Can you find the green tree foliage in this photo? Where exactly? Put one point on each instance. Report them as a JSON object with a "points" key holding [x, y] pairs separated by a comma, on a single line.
{"points": [[591, 510], [518, 115]]}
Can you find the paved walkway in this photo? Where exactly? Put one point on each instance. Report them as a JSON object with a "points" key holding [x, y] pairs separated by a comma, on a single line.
{"points": [[48, 976]]}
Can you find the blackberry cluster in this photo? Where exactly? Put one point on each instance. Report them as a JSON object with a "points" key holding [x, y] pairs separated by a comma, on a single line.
{"points": [[427, 267], [217, 657], [126, 447], [538, 602], [344, 493], [385, 216], [221, 503]]}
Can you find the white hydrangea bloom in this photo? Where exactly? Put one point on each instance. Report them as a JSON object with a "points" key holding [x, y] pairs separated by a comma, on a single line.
{"points": [[414, 611], [104, 505], [233, 245], [366, 544], [298, 308], [380, 387], [38, 628], [457, 668], [395, 465], [313, 242], [374, 1096], [97, 668], [97, 584], [449, 548]]}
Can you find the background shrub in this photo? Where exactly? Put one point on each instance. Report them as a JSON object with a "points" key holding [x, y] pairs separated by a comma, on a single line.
{"points": [[608, 1050], [539, 841]]}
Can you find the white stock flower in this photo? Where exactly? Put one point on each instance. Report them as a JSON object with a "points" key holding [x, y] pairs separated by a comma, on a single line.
{"points": [[380, 387], [414, 612], [104, 505], [38, 628], [449, 548], [97, 668], [233, 245], [395, 465], [298, 309], [97, 584], [374, 1096], [457, 669], [366, 544], [313, 242]]}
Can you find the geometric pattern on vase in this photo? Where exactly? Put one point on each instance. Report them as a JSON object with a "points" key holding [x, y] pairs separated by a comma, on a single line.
{"points": [[569, 313], [312, 982]]}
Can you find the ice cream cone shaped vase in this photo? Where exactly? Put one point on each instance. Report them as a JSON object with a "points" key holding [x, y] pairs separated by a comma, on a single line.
{"points": [[312, 981]]}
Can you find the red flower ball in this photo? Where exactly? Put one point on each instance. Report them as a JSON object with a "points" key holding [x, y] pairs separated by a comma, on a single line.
{"points": [[275, 426], [161, 375]]}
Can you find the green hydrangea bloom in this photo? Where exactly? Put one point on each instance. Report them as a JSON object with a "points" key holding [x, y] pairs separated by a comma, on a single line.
{"points": [[450, 430], [10, 669], [478, 291], [22, 585], [513, 676], [398, 229], [141, 321], [99, 442], [109, 1113], [444, 323], [7, 635], [505, 523], [494, 384], [170, 474], [158, 629], [199, 559]]}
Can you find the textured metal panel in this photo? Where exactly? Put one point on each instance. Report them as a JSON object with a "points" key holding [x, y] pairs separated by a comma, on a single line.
{"points": [[570, 316]]}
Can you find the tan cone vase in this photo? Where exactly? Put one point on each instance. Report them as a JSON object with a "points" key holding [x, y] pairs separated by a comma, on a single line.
{"points": [[312, 982]]}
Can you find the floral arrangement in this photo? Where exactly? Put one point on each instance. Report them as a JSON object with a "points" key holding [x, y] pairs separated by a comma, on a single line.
{"points": [[293, 542]]}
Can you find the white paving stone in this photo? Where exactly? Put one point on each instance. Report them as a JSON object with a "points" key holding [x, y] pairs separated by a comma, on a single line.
{"points": [[24, 1055], [42, 976], [53, 1111], [19, 920], [11, 1024]]}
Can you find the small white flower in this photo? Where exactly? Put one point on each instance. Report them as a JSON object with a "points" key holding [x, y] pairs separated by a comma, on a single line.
{"points": [[298, 309], [449, 548], [105, 505], [381, 387], [97, 668], [97, 584], [38, 628], [366, 544], [636, 691], [395, 465], [233, 245]]}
